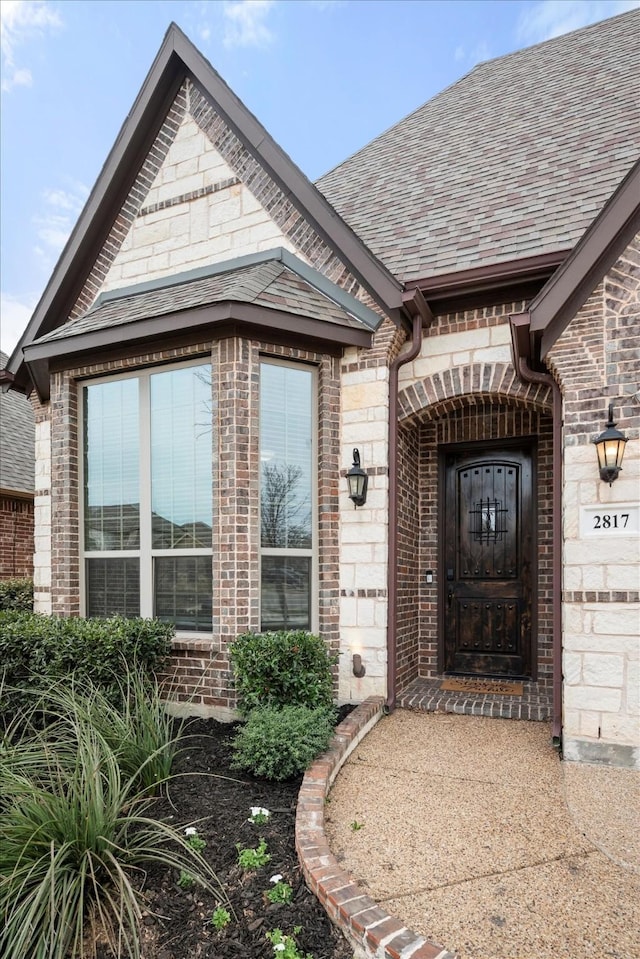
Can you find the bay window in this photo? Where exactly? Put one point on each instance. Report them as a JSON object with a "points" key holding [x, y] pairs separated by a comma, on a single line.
{"points": [[287, 496], [148, 496]]}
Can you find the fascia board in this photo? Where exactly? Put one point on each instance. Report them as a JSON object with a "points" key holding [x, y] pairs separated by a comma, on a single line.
{"points": [[173, 323]]}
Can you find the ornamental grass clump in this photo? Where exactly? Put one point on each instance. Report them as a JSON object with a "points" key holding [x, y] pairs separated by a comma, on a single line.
{"points": [[77, 833], [280, 742]]}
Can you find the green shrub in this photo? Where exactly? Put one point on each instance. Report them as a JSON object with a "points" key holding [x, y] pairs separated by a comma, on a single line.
{"points": [[36, 648], [280, 742], [282, 669], [16, 594], [76, 835]]}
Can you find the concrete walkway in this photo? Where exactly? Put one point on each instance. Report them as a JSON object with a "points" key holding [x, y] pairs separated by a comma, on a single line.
{"points": [[472, 833]]}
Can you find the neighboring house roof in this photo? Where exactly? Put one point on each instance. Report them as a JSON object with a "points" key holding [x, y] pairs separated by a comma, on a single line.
{"points": [[513, 161], [17, 441], [272, 290]]}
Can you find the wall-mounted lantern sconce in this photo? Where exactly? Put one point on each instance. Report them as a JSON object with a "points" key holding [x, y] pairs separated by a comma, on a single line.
{"points": [[358, 481], [610, 449], [358, 666]]}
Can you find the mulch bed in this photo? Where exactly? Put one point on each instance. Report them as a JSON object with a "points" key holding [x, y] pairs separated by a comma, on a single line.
{"points": [[177, 924]]}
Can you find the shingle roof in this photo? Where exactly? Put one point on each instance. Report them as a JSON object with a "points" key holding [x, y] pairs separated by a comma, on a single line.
{"points": [[269, 284], [514, 160], [17, 440]]}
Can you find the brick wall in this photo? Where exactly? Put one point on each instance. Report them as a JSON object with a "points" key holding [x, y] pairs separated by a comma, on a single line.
{"points": [[16, 537], [420, 509], [596, 362]]}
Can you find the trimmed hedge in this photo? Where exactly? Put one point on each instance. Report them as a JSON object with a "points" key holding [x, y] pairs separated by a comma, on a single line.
{"points": [[287, 668], [36, 648], [16, 594]]}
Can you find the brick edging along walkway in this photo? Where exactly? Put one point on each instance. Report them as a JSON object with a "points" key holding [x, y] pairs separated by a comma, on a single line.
{"points": [[372, 932]]}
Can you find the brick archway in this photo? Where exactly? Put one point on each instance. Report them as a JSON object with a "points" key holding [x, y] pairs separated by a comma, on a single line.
{"points": [[451, 389], [481, 402]]}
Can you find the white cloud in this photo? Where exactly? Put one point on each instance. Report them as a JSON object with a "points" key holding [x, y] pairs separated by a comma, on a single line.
{"points": [[15, 313], [478, 54], [245, 23], [20, 20], [552, 18], [58, 214]]}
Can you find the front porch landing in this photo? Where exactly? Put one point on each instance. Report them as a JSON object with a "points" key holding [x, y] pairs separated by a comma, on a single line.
{"points": [[535, 703]]}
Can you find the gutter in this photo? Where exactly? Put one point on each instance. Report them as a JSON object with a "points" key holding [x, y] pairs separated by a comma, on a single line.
{"points": [[421, 316], [520, 325]]}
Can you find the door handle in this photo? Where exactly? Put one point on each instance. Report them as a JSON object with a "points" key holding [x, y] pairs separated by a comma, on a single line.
{"points": [[449, 597]]}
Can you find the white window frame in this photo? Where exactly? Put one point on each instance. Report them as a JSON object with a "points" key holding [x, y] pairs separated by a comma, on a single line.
{"points": [[145, 553], [287, 551]]}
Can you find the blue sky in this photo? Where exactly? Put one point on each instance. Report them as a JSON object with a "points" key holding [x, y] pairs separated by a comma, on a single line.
{"points": [[323, 76]]}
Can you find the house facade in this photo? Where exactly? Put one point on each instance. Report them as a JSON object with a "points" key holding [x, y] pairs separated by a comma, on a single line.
{"points": [[458, 302], [17, 466]]}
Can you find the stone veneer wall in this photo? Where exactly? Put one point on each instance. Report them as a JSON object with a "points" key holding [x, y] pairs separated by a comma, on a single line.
{"points": [[202, 681], [364, 531], [596, 361]]}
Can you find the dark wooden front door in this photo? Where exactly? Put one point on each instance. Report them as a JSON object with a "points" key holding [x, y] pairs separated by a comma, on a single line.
{"points": [[487, 560]]}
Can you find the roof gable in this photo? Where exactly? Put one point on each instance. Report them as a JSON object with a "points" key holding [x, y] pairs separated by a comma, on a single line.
{"points": [[513, 161], [552, 310], [180, 72]]}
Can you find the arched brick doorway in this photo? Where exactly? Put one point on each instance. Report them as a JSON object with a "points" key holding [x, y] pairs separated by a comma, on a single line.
{"points": [[474, 408]]}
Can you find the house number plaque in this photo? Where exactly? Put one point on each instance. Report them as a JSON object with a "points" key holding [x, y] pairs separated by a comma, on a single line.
{"points": [[623, 519]]}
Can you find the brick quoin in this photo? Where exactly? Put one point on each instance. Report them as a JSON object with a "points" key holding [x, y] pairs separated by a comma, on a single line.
{"points": [[373, 933]]}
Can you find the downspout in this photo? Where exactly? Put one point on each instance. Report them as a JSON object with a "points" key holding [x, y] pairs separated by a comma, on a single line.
{"points": [[417, 305], [532, 376]]}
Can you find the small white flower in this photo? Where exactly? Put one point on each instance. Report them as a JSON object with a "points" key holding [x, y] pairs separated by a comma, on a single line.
{"points": [[279, 947], [191, 831], [258, 812], [276, 878]]}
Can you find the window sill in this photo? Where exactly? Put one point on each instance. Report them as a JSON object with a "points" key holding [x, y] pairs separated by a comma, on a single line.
{"points": [[194, 643]]}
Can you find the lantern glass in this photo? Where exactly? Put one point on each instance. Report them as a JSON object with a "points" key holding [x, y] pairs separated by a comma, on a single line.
{"points": [[358, 481], [610, 449]]}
